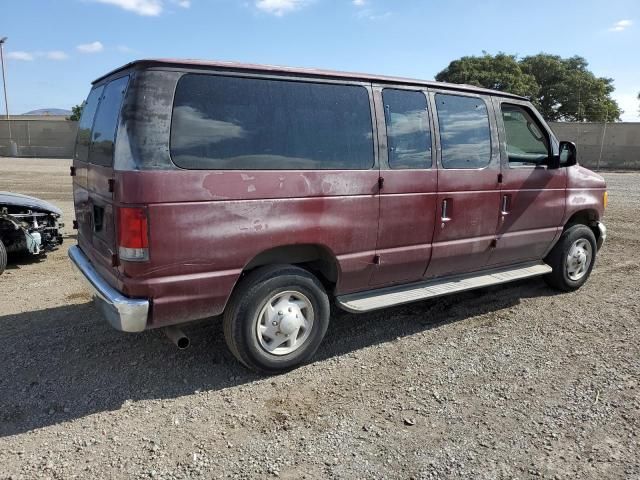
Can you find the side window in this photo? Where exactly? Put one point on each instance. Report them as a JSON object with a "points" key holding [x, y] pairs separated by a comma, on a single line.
{"points": [[104, 128], [232, 123], [408, 133], [86, 122], [526, 142], [465, 134]]}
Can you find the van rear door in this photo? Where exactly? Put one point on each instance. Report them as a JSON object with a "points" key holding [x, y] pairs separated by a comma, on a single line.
{"points": [[93, 164]]}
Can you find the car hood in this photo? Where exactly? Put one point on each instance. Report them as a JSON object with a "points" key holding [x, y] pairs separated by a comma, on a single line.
{"points": [[19, 200]]}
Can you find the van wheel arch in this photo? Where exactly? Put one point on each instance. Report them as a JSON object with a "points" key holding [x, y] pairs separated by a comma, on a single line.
{"points": [[317, 259], [584, 217]]}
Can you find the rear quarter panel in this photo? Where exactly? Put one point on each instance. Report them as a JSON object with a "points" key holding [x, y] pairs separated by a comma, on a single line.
{"points": [[205, 226]]}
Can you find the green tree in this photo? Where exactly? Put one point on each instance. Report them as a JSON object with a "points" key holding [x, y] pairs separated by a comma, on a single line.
{"points": [[569, 91], [500, 72], [76, 112], [563, 89]]}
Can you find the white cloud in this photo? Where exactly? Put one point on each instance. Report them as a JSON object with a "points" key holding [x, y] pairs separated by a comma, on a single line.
{"points": [[280, 7], [18, 55], [93, 47], [370, 14], [149, 8], [183, 3], [30, 56], [56, 55], [125, 49], [366, 12], [621, 26]]}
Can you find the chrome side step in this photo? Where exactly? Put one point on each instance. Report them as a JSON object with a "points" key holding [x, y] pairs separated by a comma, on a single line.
{"points": [[400, 294]]}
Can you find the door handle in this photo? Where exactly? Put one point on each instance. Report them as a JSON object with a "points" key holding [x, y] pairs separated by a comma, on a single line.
{"points": [[506, 204], [446, 210]]}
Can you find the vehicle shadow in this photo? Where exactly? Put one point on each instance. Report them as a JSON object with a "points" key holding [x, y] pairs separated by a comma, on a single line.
{"points": [[65, 363], [17, 260]]}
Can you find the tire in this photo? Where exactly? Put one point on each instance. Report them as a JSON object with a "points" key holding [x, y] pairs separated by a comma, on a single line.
{"points": [[266, 306], [570, 274], [3, 257]]}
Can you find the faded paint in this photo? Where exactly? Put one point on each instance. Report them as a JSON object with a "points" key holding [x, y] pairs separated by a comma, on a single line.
{"points": [[205, 226]]}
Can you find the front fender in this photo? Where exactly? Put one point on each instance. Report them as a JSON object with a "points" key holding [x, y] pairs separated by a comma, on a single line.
{"points": [[585, 193]]}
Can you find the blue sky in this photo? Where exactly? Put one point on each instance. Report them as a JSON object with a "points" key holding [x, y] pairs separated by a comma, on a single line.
{"points": [[55, 49]]}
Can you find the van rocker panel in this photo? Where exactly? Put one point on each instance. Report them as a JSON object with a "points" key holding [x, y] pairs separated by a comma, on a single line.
{"points": [[401, 294]]}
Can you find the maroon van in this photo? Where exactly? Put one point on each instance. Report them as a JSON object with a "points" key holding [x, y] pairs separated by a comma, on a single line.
{"points": [[264, 194]]}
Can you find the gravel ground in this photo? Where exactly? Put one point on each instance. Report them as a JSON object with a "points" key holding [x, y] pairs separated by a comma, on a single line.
{"points": [[515, 381]]}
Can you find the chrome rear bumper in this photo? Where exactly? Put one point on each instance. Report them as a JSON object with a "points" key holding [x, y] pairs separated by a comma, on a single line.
{"points": [[123, 313]]}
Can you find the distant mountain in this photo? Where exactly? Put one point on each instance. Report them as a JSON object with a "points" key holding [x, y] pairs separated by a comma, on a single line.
{"points": [[49, 111]]}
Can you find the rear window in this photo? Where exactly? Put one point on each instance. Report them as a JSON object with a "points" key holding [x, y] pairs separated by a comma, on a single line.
{"points": [[103, 134], [231, 123], [86, 122]]}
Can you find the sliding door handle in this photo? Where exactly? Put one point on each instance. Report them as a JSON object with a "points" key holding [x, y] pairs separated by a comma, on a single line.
{"points": [[506, 204], [446, 211]]}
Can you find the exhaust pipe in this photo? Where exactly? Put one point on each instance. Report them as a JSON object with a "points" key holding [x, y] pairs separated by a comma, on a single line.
{"points": [[177, 336]]}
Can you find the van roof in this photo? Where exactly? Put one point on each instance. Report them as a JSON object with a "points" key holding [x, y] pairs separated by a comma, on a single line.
{"points": [[308, 72]]}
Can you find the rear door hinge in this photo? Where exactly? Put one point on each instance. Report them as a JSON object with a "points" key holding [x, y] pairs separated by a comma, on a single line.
{"points": [[380, 183], [72, 171], [499, 178], [112, 185], [376, 259]]}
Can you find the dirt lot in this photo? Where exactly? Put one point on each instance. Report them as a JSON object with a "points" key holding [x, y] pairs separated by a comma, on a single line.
{"points": [[515, 381]]}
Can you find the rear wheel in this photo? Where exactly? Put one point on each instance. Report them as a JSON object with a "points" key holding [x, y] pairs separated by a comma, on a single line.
{"points": [[572, 258], [3, 257], [276, 318]]}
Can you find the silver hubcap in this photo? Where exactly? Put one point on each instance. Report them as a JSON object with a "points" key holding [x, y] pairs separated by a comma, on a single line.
{"points": [[579, 259], [285, 323]]}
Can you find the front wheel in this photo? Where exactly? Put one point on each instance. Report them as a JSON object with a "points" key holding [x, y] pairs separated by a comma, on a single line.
{"points": [[572, 258], [276, 318]]}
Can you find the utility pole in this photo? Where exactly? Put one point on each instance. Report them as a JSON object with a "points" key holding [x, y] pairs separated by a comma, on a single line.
{"points": [[604, 135], [13, 148]]}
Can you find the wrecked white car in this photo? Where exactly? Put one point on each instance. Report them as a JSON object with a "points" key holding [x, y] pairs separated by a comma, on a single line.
{"points": [[27, 225]]}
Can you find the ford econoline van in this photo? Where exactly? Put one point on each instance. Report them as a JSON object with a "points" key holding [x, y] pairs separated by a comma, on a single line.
{"points": [[266, 195]]}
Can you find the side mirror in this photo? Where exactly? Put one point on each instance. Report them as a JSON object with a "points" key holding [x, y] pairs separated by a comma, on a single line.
{"points": [[568, 154]]}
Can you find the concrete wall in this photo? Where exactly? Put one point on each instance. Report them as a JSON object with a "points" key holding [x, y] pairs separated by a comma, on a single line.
{"points": [[59, 118], [39, 138], [610, 146], [614, 146]]}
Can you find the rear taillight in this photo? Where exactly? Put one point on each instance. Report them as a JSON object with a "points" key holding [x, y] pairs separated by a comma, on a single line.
{"points": [[133, 234]]}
